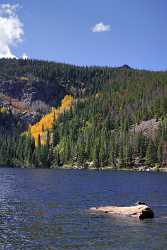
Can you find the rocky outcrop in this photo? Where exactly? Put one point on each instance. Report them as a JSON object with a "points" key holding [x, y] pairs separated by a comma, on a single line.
{"points": [[147, 128], [140, 211], [28, 100], [30, 91]]}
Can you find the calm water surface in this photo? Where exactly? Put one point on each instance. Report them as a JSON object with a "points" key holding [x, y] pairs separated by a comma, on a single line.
{"points": [[48, 209]]}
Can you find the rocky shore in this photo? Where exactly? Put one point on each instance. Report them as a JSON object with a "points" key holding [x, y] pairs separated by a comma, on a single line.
{"points": [[135, 169]]}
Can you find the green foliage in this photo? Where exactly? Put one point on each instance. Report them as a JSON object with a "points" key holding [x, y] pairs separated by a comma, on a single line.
{"points": [[99, 127]]}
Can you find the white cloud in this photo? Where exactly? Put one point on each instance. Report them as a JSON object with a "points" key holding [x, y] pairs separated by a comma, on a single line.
{"points": [[11, 29], [8, 9], [24, 56], [101, 27]]}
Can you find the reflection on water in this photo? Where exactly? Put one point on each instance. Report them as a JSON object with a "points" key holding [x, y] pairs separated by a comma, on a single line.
{"points": [[48, 209]]}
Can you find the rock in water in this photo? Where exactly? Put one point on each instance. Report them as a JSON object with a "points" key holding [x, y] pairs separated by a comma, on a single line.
{"points": [[140, 211]]}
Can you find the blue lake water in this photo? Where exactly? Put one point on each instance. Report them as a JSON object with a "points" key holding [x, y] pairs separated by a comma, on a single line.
{"points": [[48, 209]]}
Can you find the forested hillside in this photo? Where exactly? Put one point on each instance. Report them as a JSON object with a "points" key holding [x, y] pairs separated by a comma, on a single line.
{"points": [[115, 117]]}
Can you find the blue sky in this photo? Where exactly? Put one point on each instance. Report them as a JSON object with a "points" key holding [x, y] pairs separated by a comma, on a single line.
{"points": [[61, 30]]}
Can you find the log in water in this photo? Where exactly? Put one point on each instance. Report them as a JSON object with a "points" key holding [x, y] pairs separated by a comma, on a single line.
{"points": [[140, 211]]}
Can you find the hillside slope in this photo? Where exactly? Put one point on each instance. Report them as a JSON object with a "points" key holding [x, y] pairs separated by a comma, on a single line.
{"points": [[30, 88], [111, 122]]}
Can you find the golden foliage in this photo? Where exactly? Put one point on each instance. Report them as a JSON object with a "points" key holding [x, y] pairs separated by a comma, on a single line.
{"points": [[99, 94], [24, 78], [3, 110], [47, 121]]}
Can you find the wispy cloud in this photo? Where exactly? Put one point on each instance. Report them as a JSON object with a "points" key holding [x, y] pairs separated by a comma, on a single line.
{"points": [[11, 29], [101, 27]]}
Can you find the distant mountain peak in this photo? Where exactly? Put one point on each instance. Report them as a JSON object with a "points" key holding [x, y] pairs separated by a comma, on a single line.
{"points": [[125, 66]]}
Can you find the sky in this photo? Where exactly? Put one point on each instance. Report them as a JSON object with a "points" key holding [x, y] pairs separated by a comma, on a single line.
{"points": [[86, 32]]}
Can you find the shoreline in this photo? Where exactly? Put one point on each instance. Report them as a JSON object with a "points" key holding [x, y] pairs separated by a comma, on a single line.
{"points": [[134, 169], [107, 168]]}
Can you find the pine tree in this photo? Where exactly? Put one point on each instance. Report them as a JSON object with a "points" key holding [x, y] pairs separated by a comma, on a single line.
{"points": [[151, 154], [159, 152]]}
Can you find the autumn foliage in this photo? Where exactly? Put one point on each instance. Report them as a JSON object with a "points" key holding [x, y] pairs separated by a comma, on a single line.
{"points": [[38, 130]]}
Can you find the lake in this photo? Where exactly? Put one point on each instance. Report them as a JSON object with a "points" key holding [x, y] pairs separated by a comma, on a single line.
{"points": [[48, 209]]}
